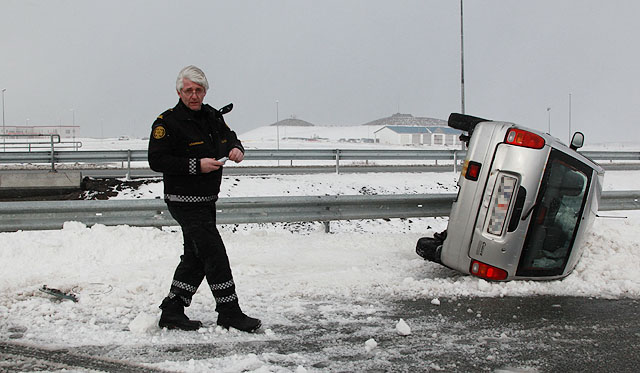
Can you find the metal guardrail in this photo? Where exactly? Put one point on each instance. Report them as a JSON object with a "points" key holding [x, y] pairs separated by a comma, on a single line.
{"points": [[107, 156], [153, 212], [618, 200], [611, 155], [252, 154], [39, 145], [29, 145]]}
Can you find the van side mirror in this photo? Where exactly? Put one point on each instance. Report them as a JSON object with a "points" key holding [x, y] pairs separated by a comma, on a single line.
{"points": [[577, 141]]}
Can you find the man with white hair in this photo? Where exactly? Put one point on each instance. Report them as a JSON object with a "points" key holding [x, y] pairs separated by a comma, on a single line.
{"points": [[187, 144]]}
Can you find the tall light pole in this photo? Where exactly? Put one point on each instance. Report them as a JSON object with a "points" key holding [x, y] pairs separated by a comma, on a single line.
{"points": [[549, 113], [73, 129], [461, 57], [4, 132], [277, 127], [462, 145]]}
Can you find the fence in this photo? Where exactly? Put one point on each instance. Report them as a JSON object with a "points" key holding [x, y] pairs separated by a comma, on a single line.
{"points": [[30, 145], [153, 212]]}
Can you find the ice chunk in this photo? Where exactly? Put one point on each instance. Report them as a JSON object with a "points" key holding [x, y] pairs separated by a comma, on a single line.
{"points": [[370, 345], [143, 323], [403, 328]]}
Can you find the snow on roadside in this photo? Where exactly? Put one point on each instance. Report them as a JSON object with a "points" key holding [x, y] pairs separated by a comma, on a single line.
{"points": [[121, 273], [318, 184], [282, 270]]}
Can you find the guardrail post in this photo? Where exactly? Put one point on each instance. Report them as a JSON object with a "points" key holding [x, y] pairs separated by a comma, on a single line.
{"points": [[53, 165], [128, 165], [337, 161], [455, 162]]}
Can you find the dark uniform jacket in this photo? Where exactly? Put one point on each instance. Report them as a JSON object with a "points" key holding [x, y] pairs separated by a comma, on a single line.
{"points": [[179, 138]]}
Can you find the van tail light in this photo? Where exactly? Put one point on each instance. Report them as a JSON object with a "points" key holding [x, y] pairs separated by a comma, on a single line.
{"points": [[527, 139], [500, 203], [486, 271], [471, 170]]}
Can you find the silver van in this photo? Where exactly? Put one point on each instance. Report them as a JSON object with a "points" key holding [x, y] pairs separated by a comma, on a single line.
{"points": [[524, 204]]}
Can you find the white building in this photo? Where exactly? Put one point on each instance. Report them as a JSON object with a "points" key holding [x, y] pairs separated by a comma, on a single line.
{"points": [[417, 135], [63, 131]]}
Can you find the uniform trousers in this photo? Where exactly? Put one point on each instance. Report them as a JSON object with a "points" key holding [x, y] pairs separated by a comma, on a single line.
{"points": [[204, 256]]}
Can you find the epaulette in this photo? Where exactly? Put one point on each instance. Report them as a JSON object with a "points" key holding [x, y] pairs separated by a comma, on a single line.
{"points": [[167, 113]]}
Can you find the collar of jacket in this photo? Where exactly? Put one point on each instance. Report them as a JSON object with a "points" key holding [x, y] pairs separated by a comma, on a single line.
{"points": [[183, 112]]}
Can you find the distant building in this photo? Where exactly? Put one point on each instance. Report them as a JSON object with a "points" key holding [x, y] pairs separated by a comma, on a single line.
{"points": [[398, 129], [399, 119], [417, 135], [405, 129], [62, 131], [292, 122]]}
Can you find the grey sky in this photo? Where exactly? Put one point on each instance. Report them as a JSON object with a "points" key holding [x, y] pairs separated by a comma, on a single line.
{"points": [[114, 63]]}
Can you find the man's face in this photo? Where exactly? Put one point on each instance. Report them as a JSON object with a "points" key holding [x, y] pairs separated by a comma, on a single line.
{"points": [[192, 94]]}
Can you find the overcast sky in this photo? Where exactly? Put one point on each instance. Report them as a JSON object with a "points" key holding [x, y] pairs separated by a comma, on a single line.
{"points": [[113, 64]]}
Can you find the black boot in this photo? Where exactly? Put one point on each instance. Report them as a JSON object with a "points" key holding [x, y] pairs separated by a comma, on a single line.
{"points": [[173, 316], [238, 320]]}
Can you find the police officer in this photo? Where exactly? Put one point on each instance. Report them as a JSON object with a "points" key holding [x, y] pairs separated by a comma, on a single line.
{"points": [[186, 144]]}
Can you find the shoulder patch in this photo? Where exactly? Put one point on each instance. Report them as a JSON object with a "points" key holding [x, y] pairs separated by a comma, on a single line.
{"points": [[159, 132]]}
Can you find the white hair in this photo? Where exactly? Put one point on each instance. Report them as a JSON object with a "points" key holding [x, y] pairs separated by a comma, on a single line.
{"points": [[194, 74]]}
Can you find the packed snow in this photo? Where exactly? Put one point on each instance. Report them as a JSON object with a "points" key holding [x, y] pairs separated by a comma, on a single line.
{"points": [[120, 273]]}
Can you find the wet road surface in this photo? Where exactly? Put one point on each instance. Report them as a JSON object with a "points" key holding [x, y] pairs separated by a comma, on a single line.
{"points": [[513, 334]]}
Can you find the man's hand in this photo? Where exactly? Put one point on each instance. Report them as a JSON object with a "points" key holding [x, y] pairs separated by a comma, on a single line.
{"points": [[209, 164], [236, 155]]}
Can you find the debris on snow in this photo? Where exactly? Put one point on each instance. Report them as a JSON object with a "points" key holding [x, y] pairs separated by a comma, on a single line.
{"points": [[403, 328], [143, 323], [370, 344]]}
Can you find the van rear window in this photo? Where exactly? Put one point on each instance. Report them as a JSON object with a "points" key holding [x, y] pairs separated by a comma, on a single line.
{"points": [[556, 216]]}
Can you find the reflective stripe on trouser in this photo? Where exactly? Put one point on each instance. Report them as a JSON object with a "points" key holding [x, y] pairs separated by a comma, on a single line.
{"points": [[204, 255], [224, 293], [182, 290]]}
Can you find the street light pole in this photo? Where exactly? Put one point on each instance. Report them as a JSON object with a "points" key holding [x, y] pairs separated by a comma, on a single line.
{"points": [[461, 57], [4, 132], [462, 144], [277, 127], [73, 129]]}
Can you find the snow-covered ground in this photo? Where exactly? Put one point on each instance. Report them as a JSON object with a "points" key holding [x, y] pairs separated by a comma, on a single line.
{"points": [[120, 274], [327, 137]]}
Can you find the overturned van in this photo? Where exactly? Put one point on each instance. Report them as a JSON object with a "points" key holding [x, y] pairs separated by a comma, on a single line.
{"points": [[524, 204]]}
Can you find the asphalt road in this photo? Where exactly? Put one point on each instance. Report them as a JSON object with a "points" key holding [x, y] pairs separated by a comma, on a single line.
{"points": [[511, 334]]}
